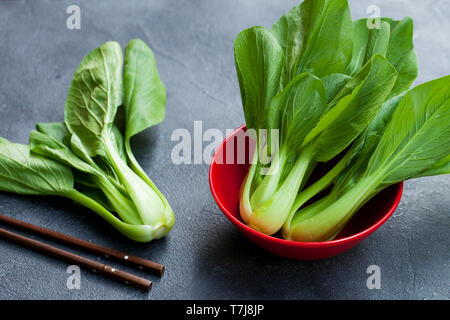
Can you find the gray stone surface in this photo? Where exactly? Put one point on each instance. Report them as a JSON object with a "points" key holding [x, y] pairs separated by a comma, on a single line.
{"points": [[205, 256]]}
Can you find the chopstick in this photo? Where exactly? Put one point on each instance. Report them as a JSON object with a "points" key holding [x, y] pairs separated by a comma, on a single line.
{"points": [[83, 262], [140, 263]]}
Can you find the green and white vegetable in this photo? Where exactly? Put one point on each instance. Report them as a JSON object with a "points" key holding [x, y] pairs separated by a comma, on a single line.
{"points": [[87, 158], [416, 140], [330, 87]]}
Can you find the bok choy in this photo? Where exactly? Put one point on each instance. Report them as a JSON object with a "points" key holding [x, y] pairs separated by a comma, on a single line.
{"points": [[87, 158], [323, 88], [416, 139]]}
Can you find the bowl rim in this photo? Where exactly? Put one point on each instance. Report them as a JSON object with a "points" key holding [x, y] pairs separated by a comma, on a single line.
{"points": [[362, 234]]}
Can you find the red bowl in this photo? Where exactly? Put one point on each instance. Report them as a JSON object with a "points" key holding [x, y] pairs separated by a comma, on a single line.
{"points": [[226, 174]]}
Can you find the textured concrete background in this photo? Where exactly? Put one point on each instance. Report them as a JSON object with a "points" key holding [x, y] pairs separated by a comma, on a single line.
{"points": [[205, 255]]}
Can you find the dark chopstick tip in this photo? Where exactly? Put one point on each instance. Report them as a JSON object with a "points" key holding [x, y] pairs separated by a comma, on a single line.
{"points": [[162, 270]]}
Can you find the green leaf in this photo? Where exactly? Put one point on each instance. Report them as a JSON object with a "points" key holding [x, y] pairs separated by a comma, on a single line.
{"points": [[52, 140], [352, 164], [367, 42], [101, 163], [51, 148], [417, 137], [364, 146], [73, 142], [48, 147], [144, 93], [92, 192], [290, 33], [343, 123], [316, 37], [259, 61], [55, 130], [335, 83], [346, 88], [94, 96], [441, 167], [368, 140], [145, 99], [298, 108], [24, 173], [401, 53]]}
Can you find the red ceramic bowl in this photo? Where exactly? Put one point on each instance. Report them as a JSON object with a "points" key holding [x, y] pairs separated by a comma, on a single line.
{"points": [[226, 174]]}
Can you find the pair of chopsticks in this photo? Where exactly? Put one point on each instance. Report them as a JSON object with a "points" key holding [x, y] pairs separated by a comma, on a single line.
{"points": [[94, 266]]}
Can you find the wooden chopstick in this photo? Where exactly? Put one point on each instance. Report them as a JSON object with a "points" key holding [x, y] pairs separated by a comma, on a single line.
{"points": [[140, 263], [83, 262]]}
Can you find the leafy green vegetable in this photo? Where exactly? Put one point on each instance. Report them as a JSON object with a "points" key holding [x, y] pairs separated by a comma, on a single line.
{"points": [[401, 53], [359, 151], [367, 42], [258, 64], [30, 174], [86, 157], [441, 167], [46, 146], [418, 135], [345, 121], [144, 93], [144, 102], [393, 40], [94, 96], [308, 135], [23, 174], [330, 86], [416, 139], [301, 103], [315, 37]]}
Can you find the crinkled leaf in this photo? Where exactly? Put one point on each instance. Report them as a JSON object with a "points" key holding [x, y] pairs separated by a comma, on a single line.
{"points": [[55, 130], [25, 173], [48, 147], [94, 96], [45, 143]]}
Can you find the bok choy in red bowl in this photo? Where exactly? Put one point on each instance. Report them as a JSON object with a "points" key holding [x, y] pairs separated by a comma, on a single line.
{"points": [[226, 177], [332, 94]]}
